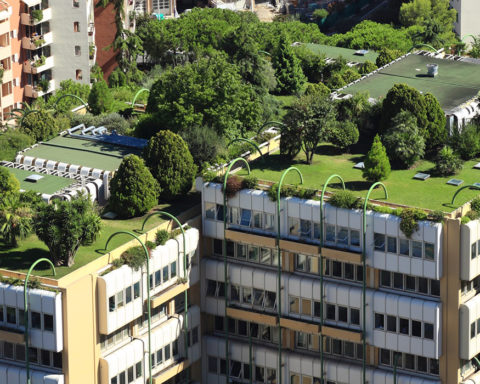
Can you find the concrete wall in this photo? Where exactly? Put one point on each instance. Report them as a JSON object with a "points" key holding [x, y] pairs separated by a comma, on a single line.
{"points": [[467, 20]]}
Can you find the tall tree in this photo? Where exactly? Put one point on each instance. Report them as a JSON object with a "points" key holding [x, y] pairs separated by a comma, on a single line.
{"points": [[436, 134], [16, 219], [306, 124], [377, 164], [290, 77], [100, 99], [65, 226], [9, 185]]}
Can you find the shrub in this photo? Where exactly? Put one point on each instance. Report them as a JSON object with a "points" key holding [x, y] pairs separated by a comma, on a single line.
{"points": [[133, 189], [436, 216], [447, 162], [465, 220], [134, 257], [250, 182], [367, 67], [114, 122], [475, 204], [147, 126], [171, 164], [318, 89], [161, 237], [344, 134], [377, 165], [150, 244], [290, 190], [40, 125], [117, 78], [467, 143], [13, 141], [343, 199], [9, 185], [473, 215], [233, 185], [37, 15], [312, 64], [386, 56], [409, 223], [204, 144], [100, 99], [289, 74], [209, 176]]}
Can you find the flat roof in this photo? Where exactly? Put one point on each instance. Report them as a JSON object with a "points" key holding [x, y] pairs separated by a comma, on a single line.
{"points": [[456, 82], [88, 153], [433, 193], [346, 53], [47, 184]]}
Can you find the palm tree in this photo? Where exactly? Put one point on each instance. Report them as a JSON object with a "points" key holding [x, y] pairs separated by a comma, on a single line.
{"points": [[16, 219]]}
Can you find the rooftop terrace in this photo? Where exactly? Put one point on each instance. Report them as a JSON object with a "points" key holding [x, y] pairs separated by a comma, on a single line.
{"points": [[336, 52], [456, 82], [433, 193], [88, 153], [47, 184]]}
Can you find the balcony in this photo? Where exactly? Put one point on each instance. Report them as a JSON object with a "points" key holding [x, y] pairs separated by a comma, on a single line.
{"points": [[250, 238], [35, 42], [249, 315], [4, 26], [35, 91], [37, 66], [28, 19]]}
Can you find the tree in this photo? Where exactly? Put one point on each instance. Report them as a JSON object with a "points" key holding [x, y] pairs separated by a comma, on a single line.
{"points": [[100, 99], [367, 67], [12, 141], [436, 133], [9, 185], [377, 165], [209, 92], [69, 87], [65, 226], [290, 77], [312, 63], [467, 142], [16, 219], [319, 89], [344, 134], [307, 123], [402, 97], [133, 189], [204, 144], [403, 140], [447, 162], [386, 56], [40, 125], [475, 47], [414, 12], [168, 158]]}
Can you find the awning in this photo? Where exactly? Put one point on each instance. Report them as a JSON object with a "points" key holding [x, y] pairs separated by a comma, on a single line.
{"points": [[32, 3]]}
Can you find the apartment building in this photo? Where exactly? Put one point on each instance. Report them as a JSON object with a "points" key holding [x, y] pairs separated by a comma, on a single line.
{"points": [[467, 16], [326, 312], [92, 326]]}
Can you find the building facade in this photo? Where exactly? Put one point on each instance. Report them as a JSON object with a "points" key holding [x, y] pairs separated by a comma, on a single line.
{"points": [[417, 309], [467, 18]]}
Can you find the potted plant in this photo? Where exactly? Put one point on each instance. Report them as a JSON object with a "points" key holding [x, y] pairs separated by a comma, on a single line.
{"points": [[44, 85], [37, 15]]}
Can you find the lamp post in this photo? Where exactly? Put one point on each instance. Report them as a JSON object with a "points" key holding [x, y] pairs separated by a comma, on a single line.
{"points": [[279, 267], [395, 362], [364, 279], [25, 310], [149, 313]]}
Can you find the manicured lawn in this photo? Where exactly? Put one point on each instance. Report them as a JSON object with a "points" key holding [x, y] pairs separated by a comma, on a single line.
{"points": [[433, 193], [30, 249], [47, 184]]}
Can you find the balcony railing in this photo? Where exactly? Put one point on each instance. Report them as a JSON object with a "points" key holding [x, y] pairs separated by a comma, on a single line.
{"points": [[38, 65], [37, 41], [32, 19]]}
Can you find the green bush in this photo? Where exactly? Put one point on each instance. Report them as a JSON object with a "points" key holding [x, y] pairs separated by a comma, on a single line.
{"points": [[344, 134], [291, 191], [343, 199], [473, 215], [465, 220], [233, 186], [133, 189], [367, 67], [204, 143], [317, 89], [13, 141], [209, 176], [134, 257], [409, 224], [37, 15], [250, 182], [100, 99], [377, 165], [447, 162], [161, 237], [289, 74], [467, 143], [436, 216], [475, 204], [386, 56], [171, 164], [39, 125], [9, 185]]}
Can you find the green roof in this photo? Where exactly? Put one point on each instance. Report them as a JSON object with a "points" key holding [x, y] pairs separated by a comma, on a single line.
{"points": [[47, 184], [82, 152], [336, 52], [456, 82], [433, 193]]}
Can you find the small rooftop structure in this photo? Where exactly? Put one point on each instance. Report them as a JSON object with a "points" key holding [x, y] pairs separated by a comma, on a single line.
{"points": [[455, 182], [34, 178], [421, 176]]}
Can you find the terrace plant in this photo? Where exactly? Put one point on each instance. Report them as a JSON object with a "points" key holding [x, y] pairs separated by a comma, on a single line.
{"points": [[377, 164], [65, 226], [37, 15], [39, 42], [9, 185], [100, 99], [16, 219], [40, 125], [289, 74], [447, 162], [44, 85], [344, 199]]}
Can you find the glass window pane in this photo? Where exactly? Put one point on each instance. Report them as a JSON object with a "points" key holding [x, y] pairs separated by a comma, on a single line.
{"points": [[11, 315], [293, 226], [305, 229], [391, 323], [354, 238], [416, 248], [404, 247], [247, 295], [270, 299], [36, 321], [219, 212], [128, 295], [354, 316], [385, 279], [173, 270], [136, 290], [435, 287], [165, 274], [392, 244], [410, 283], [337, 346], [385, 356], [423, 285], [234, 293], [397, 280], [474, 250], [379, 241], [245, 217], [253, 253], [138, 370], [409, 361], [428, 331], [337, 268], [342, 314], [331, 312], [416, 328], [301, 262], [265, 255], [379, 321], [404, 326], [342, 236], [210, 210], [421, 364], [258, 297], [294, 304], [269, 222], [349, 271], [429, 251], [242, 251], [257, 220], [330, 233], [48, 322]]}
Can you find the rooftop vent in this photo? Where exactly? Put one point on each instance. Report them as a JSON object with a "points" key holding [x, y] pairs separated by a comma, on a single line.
{"points": [[432, 70], [361, 52], [33, 178]]}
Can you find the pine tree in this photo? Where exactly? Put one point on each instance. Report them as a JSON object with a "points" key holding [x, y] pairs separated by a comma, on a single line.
{"points": [[290, 77], [377, 165]]}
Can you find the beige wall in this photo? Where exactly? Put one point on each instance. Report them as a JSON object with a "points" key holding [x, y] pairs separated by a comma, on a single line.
{"points": [[467, 20]]}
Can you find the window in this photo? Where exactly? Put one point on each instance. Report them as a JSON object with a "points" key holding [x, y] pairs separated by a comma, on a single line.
{"points": [[330, 312], [421, 364], [253, 254], [294, 304], [391, 244], [268, 221], [398, 281], [265, 255], [404, 326], [78, 50], [212, 364], [337, 269], [410, 283], [128, 295], [330, 233], [416, 328], [384, 356], [11, 315], [429, 251], [379, 321], [294, 226], [428, 331], [349, 271], [307, 307], [409, 361], [416, 248], [219, 212], [245, 217], [76, 26], [234, 293], [76, 4], [379, 242], [391, 323], [354, 316], [342, 314], [385, 278], [78, 72], [210, 211], [8, 350], [305, 229], [301, 262], [435, 287], [423, 285], [138, 370], [354, 238], [257, 220], [48, 322], [404, 247], [36, 320], [173, 270], [20, 354], [342, 236], [165, 274]]}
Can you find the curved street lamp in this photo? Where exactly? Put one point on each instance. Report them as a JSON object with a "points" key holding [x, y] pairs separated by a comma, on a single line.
{"points": [[321, 266], [185, 323], [25, 310], [279, 267], [69, 95], [149, 313], [262, 127], [138, 94], [461, 189], [422, 45], [364, 282], [224, 253], [251, 142]]}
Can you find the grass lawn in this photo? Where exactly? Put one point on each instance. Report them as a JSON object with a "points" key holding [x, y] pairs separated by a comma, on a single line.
{"points": [[432, 194], [47, 184], [30, 249]]}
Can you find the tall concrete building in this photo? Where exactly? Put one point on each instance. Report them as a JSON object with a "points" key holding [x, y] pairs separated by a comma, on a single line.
{"points": [[468, 12]]}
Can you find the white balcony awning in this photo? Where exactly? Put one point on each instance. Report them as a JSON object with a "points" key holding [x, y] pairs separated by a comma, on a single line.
{"points": [[32, 3]]}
